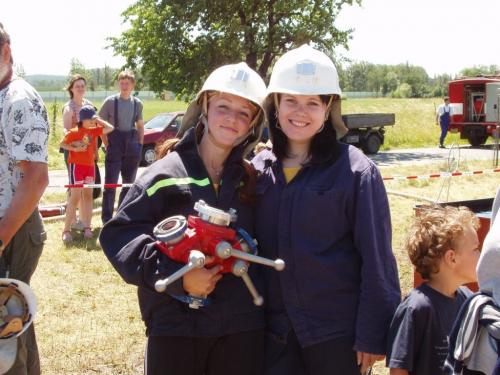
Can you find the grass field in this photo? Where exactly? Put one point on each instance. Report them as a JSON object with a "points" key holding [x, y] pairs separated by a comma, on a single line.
{"points": [[89, 321], [415, 122]]}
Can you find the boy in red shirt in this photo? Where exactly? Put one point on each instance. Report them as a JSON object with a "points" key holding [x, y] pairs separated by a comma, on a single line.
{"points": [[80, 143]]}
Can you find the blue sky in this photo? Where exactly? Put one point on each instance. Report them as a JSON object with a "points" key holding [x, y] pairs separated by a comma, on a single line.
{"points": [[443, 36]]}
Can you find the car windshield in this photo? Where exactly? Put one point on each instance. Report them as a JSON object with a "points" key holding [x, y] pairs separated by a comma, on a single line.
{"points": [[158, 122]]}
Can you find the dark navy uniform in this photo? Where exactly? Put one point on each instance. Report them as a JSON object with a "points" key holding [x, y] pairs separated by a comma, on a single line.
{"points": [[170, 187], [331, 225]]}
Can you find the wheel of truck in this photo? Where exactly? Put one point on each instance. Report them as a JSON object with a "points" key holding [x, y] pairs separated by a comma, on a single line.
{"points": [[148, 155], [371, 144], [477, 140]]}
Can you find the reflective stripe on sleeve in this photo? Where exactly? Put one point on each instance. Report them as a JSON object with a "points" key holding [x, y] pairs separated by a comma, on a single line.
{"points": [[176, 181]]}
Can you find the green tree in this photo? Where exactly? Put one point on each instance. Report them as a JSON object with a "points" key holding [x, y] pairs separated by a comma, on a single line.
{"points": [[357, 76], [77, 67], [391, 82], [404, 90], [108, 77], [176, 43], [480, 70]]}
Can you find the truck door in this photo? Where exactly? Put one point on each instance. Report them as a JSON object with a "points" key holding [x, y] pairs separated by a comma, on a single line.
{"points": [[476, 106], [492, 92]]}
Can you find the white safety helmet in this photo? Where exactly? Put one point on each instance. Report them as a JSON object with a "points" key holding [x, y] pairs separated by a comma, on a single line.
{"points": [[17, 311], [307, 71], [237, 79]]}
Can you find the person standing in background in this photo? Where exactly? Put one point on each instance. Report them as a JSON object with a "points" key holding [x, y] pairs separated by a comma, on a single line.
{"points": [[76, 89], [124, 145], [443, 117], [24, 134]]}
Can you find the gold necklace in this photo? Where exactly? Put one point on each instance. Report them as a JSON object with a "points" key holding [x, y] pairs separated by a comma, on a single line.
{"points": [[217, 171]]}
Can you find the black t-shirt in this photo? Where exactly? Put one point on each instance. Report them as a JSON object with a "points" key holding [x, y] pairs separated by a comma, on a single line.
{"points": [[419, 332]]}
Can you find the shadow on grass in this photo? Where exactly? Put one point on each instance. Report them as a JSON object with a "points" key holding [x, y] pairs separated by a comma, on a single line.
{"points": [[80, 242]]}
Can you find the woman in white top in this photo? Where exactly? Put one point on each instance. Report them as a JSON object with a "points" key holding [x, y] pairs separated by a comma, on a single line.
{"points": [[76, 88]]}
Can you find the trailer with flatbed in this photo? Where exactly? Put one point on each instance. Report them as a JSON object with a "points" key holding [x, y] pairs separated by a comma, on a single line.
{"points": [[367, 130]]}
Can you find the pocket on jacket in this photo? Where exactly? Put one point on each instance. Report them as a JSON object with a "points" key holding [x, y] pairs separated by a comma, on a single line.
{"points": [[319, 218]]}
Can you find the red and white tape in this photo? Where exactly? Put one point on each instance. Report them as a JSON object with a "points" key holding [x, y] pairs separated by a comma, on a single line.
{"points": [[91, 186], [387, 178], [441, 174]]}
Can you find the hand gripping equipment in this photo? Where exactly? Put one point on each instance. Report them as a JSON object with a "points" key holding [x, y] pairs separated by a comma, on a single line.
{"points": [[209, 233]]}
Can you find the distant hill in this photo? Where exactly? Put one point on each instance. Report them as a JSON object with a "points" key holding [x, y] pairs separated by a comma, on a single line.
{"points": [[47, 82]]}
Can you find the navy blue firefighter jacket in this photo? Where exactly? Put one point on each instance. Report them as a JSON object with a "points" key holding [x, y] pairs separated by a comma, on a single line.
{"points": [[169, 187], [331, 225]]}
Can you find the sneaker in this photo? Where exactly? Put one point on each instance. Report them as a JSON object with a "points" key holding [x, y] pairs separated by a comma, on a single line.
{"points": [[87, 233], [442, 146], [67, 238]]}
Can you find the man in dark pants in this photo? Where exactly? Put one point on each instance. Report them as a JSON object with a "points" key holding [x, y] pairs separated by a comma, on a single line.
{"points": [[24, 133], [124, 145], [443, 116]]}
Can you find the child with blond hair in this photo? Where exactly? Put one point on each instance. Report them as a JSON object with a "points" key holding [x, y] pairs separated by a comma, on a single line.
{"points": [[444, 248]]}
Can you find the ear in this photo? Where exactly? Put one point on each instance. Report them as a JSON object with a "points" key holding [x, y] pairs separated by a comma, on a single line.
{"points": [[450, 258]]}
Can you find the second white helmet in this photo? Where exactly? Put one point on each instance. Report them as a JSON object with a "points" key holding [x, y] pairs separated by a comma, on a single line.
{"points": [[304, 71], [308, 71]]}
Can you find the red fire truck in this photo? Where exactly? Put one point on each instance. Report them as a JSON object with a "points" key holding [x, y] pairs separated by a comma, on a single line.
{"points": [[476, 107]]}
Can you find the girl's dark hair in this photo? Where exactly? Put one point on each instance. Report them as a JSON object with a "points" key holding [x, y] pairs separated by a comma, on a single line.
{"points": [[324, 145], [246, 190], [72, 81]]}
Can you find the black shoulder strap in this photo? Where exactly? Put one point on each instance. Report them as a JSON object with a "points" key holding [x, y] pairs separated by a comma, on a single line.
{"points": [[134, 117], [116, 112]]}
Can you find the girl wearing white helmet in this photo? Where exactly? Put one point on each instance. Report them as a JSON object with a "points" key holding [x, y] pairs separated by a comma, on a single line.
{"points": [[323, 209], [226, 335]]}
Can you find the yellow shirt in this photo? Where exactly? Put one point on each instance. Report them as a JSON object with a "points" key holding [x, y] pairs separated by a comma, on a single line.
{"points": [[290, 173]]}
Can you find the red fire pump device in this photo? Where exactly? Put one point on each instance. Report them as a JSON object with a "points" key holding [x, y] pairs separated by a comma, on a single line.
{"points": [[209, 233]]}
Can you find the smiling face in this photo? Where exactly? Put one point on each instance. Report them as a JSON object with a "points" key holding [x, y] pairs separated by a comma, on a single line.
{"points": [[229, 118], [78, 88], [301, 116]]}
